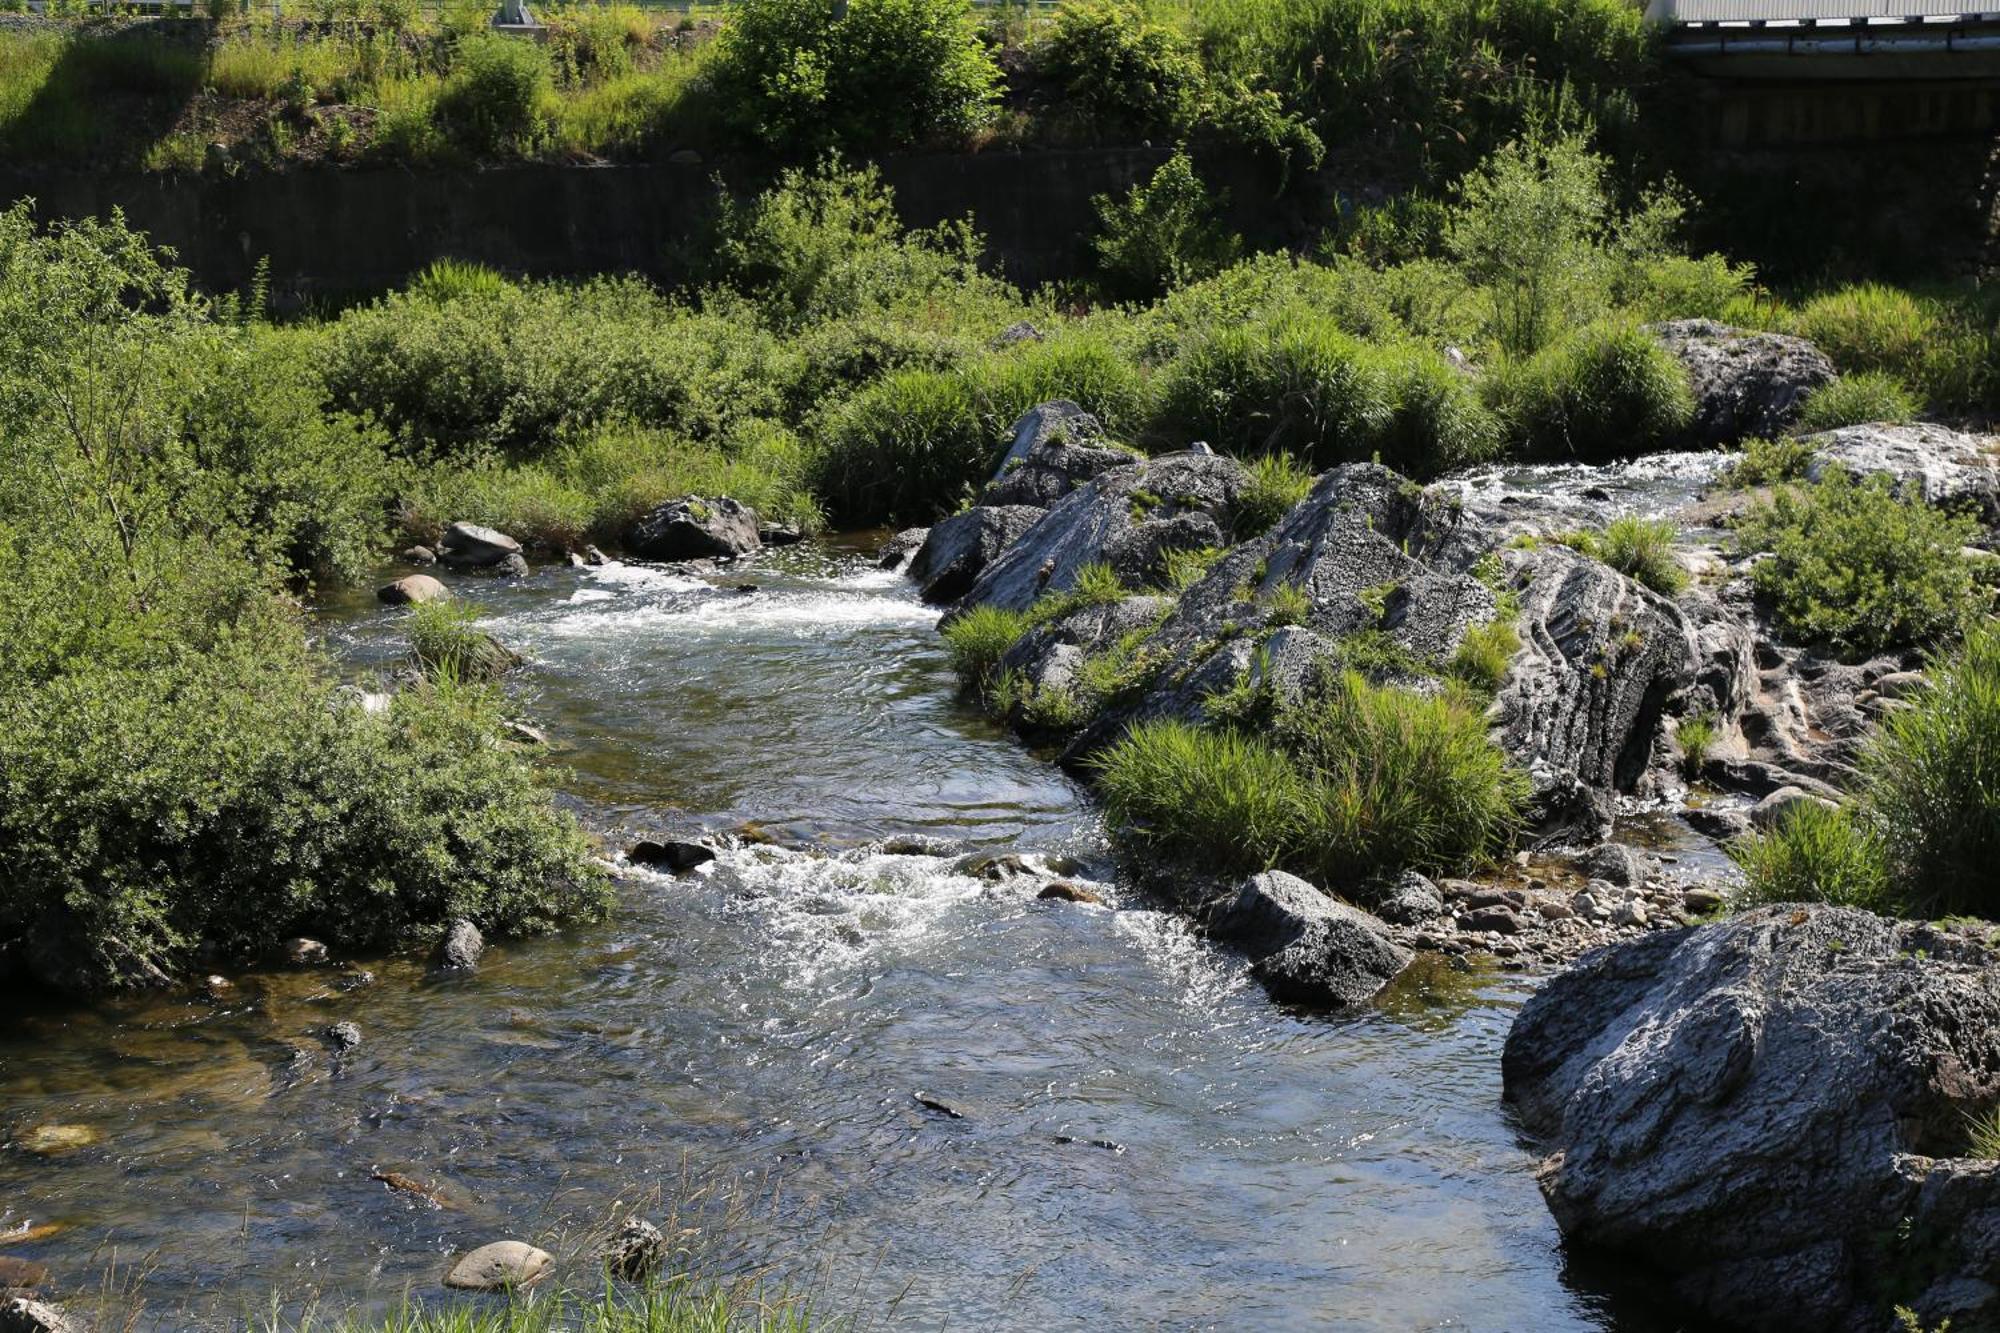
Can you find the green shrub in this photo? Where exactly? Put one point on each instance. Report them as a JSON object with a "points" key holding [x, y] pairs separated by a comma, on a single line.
{"points": [[1224, 800], [1763, 462], [1164, 234], [1438, 421], [904, 449], [978, 640], [1397, 780], [1814, 853], [1608, 391], [1855, 400], [1870, 327], [1083, 365], [448, 644], [1276, 484], [892, 73], [1120, 70], [1931, 784], [492, 103], [1857, 568], [446, 280], [1640, 548]]}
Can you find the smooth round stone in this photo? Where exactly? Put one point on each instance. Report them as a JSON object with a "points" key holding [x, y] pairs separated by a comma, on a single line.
{"points": [[503, 1264], [54, 1140]]}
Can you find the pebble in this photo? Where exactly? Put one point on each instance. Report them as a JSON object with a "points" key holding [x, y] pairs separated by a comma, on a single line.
{"points": [[1702, 900]]}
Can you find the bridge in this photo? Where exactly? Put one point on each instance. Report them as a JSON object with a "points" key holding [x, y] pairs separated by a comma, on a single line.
{"points": [[1867, 40]]}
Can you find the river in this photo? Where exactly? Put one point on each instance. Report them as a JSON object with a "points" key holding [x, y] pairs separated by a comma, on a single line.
{"points": [[1147, 1140]]}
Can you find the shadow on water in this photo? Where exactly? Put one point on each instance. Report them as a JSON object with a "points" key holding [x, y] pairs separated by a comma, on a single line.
{"points": [[1145, 1139]]}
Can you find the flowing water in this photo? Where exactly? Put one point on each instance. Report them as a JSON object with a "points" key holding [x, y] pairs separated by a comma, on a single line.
{"points": [[1147, 1141]]}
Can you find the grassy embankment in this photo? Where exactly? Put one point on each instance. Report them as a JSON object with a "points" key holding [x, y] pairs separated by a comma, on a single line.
{"points": [[176, 770]]}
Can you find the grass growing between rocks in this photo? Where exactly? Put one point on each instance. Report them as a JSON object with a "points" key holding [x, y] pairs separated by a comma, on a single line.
{"points": [[1920, 835], [671, 1306]]}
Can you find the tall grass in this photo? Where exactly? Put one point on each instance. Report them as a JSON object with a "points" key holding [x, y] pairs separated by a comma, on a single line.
{"points": [[1854, 400], [671, 1306], [1229, 801]]}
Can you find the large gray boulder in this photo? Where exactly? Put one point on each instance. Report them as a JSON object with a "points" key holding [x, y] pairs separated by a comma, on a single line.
{"points": [[1943, 466], [696, 527], [473, 546], [957, 550], [1306, 946], [1067, 455], [1746, 385], [1128, 518], [1773, 1113], [1057, 422]]}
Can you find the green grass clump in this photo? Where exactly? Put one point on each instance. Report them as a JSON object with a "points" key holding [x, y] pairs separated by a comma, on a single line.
{"points": [[1696, 736], [1815, 854], [1870, 328], [672, 1305], [1355, 779], [1931, 784], [1276, 484], [1642, 549], [1226, 800], [1982, 1134], [1609, 391], [448, 644], [978, 640], [1182, 568], [1857, 400], [1765, 462], [1484, 654], [1859, 569]]}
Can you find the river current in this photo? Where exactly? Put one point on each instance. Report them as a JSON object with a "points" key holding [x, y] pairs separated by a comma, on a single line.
{"points": [[1147, 1141]]}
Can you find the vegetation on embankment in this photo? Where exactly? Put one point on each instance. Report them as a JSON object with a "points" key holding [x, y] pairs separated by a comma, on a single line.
{"points": [[177, 771]]}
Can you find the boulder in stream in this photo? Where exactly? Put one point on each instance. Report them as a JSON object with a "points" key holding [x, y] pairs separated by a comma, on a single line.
{"points": [[1306, 946], [501, 1266], [413, 590], [696, 527], [1746, 385], [1935, 463], [460, 949], [957, 550], [474, 546], [1775, 1113]]}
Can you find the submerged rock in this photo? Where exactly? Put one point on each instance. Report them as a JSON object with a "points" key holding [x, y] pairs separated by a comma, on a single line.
{"points": [[635, 1251], [1305, 945], [1064, 891], [499, 1266], [1774, 1112], [696, 528], [15, 1272], [678, 857], [1746, 385]]}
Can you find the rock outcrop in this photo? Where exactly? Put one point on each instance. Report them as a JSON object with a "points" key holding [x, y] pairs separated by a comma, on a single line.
{"points": [[696, 528], [1943, 466], [957, 550], [1774, 1112], [1746, 385]]}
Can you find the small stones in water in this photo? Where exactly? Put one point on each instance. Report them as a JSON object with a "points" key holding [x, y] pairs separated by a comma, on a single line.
{"points": [[55, 1140], [344, 1036], [499, 1266], [460, 948], [303, 952], [22, 1272], [22, 1315], [938, 1104], [421, 556], [1413, 899], [1587, 907], [997, 869], [1109, 1145], [218, 990], [1701, 900], [678, 857], [1064, 891], [514, 566], [636, 1251]]}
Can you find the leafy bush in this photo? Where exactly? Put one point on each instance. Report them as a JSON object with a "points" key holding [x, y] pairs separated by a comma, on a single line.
{"points": [[1763, 462], [1121, 69], [978, 640], [1857, 568], [1164, 234], [1438, 421], [493, 102], [1855, 400], [1814, 853], [1224, 800], [1608, 391], [892, 73], [1277, 483], [1931, 784]]}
